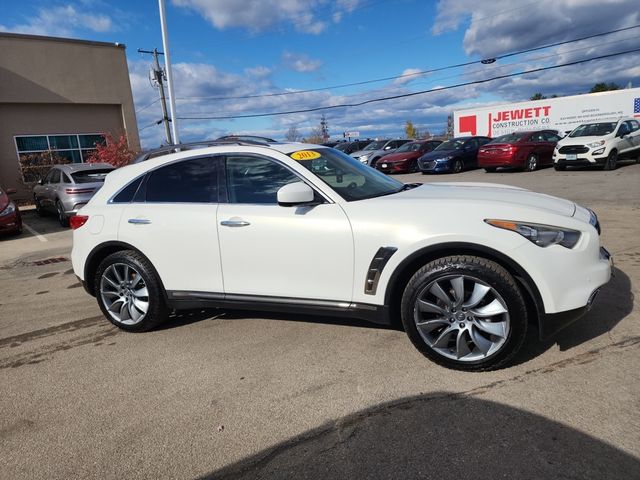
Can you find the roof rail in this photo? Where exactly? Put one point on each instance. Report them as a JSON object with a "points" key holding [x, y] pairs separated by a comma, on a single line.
{"points": [[167, 149]]}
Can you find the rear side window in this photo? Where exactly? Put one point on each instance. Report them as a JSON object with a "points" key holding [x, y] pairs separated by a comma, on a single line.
{"points": [[188, 181]]}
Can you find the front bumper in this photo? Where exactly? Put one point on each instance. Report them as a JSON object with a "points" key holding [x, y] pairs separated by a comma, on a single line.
{"points": [[433, 166], [581, 159], [392, 167]]}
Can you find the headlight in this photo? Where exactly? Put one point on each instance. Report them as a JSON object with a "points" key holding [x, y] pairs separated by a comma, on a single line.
{"points": [[600, 151], [8, 210], [444, 159], [363, 158], [541, 235], [596, 144]]}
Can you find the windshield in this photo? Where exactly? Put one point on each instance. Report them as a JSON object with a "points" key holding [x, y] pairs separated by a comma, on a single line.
{"points": [[375, 145], [351, 179], [453, 144], [594, 129], [409, 147], [509, 138], [91, 176]]}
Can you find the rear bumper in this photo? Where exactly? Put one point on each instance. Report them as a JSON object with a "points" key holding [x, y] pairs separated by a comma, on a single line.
{"points": [[498, 161]]}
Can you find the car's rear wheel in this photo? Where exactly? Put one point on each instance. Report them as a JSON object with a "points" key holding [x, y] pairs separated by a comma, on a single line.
{"points": [[490, 169], [129, 292], [612, 161], [465, 313], [62, 217], [531, 164], [457, 166]]}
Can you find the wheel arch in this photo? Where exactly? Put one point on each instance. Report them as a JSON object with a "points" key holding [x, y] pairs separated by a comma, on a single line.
{"points": [[405, 270], [102, 251]]}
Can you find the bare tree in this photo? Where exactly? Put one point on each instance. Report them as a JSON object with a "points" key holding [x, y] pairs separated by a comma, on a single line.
{"points": [[315, 136], [293, 135]]}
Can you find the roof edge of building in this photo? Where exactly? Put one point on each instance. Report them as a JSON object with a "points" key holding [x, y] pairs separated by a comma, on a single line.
{"points": [[61, 39]]}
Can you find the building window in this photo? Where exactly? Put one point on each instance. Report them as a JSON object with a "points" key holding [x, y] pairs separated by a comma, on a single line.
{"points": [[36, 153]]}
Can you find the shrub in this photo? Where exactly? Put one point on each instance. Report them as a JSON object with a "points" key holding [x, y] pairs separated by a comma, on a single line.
{"points": [[113, 152]]}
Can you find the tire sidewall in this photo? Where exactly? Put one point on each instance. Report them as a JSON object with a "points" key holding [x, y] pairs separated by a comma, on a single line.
{"points": [[157, 304], [531, 159], [499, 279]]}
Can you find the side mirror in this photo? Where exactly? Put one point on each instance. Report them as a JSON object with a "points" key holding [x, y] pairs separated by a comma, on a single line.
{"points": [[295, 194], [10, 191]]}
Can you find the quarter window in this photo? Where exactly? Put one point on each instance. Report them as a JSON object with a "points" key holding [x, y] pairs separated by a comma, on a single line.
{"points": [[188, 181], [256, 180]]}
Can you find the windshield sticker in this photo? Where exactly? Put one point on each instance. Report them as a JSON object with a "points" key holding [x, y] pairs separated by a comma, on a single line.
{"points": [[305, 155]]}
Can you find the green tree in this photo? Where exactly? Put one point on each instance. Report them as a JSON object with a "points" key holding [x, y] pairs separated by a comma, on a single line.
{"points": [[538, 96], [410, 131], [604, 87]]}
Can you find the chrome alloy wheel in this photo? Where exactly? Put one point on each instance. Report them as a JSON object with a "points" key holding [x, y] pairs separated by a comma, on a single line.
{"points": [[462, 318], [124, 294]]}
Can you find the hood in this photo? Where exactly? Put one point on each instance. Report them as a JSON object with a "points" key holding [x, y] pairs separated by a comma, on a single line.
{"points": [[4, 200], [359, 153], [439, 154], [490, 192], [583, 140], [399, 156]]}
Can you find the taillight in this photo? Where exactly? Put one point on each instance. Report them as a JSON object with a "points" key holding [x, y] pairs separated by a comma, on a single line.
{"points": [[78, 191], [77, 221]]}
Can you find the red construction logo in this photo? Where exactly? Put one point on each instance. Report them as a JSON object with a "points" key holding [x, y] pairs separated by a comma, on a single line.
{"points": [[467, 124]]}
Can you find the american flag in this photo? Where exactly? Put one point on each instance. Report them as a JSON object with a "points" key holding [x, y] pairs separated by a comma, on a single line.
{"points": [[636, 107]]}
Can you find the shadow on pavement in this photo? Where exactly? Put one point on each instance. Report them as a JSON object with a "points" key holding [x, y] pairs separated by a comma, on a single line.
{"points": [[443, 436]]}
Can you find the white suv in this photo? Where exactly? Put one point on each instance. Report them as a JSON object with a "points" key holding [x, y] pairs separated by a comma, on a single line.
{"points": [[601, 144], [304, 228]]}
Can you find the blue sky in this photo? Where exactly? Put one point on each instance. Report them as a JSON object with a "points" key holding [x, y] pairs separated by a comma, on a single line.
{"points": [[223, 48]]}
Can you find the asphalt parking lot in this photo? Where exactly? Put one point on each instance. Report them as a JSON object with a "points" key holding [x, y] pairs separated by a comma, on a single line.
{"points": [[220, 394]]}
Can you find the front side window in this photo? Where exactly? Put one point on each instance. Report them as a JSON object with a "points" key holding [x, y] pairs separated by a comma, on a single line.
{"points": [[187, 181], [634, 125], [350, 179], [256, 180]]}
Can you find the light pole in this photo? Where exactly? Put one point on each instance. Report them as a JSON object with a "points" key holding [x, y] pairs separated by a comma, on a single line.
{"points": [[167, 68]]}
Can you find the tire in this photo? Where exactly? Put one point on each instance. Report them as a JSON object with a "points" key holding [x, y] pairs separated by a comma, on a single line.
{"points": [[414, 167], [531, 164], [138, 306], [490, 169], [612, 161], [39, 209], [457, 166], [477, 350], [62, 217], [559, 168]]}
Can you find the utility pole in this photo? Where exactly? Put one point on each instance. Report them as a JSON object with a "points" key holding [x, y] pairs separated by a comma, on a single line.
{"points": [[167, 68], [158, 77]]}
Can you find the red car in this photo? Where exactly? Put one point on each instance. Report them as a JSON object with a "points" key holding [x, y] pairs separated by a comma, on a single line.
{"points": [[405, 158], [522, 150], [10, 218]]}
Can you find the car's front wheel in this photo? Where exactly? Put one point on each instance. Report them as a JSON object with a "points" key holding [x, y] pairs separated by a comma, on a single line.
{"points": [[129, 292], [611, 163], [465, 313], [457, 166]]}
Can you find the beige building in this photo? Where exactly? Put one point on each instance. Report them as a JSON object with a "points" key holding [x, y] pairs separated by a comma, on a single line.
{"points": [[57, 99]]}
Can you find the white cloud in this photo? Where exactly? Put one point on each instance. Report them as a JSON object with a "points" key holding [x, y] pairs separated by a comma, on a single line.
{"points": [[300, 62], [260, 15], [258, 71], [409, 74], [62, 21]]}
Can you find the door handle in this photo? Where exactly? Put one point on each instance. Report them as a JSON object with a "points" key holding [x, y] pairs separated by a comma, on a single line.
{"points": [[234, 223], [139, 221]]}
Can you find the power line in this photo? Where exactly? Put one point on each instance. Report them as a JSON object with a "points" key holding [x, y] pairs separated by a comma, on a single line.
{"points": [[404, 95], [147, 105], [413, 74]]}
